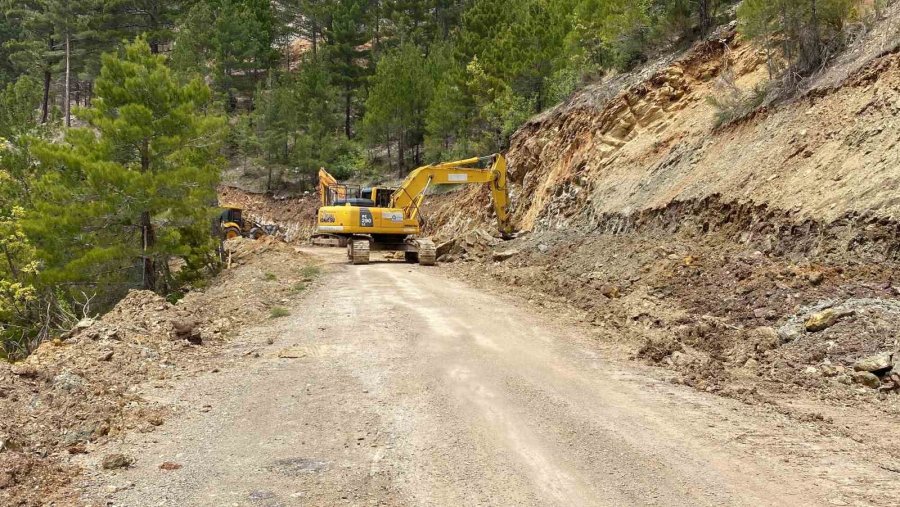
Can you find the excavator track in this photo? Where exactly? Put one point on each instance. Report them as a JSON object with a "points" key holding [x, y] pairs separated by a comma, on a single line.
{"points": [[359, 251], [427, 252]]}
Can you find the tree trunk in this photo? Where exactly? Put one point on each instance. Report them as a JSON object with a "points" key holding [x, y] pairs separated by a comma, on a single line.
{"points": [[68, 105], [390, 156], [817, 53], [147, 236], [347, 101], [705, 18], [45, 105], [400, 156], [315, 36], [12, 265]]}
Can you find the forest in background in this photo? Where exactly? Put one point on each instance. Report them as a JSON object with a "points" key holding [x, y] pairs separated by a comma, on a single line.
{"points": [[118, 116]]}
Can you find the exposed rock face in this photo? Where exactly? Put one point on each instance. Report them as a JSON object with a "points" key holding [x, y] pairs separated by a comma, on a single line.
{"points": [[639, 142], [114, 461]]}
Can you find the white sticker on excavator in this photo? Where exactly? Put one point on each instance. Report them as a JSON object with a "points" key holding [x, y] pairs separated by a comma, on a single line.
{"points": [[458, 178], [393, 216]]}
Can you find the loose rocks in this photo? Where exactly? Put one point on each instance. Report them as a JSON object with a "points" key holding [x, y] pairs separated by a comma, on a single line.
{"points": [[878, 362], [116, 461]]}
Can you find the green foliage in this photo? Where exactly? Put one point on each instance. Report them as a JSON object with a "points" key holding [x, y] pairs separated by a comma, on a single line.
{"points": [[230, 41], [20, 101], [805, 33], [400, 93], [310, 272], [296, 124], [277, 312], [732, 103], [121, 198], [346, 54], [19, 269]]}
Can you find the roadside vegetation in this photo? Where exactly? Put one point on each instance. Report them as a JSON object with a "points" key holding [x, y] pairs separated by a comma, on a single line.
{"points": [[117, 117]]}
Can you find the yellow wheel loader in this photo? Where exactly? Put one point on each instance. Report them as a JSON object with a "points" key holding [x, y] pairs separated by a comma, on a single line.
{"points": [[380, 219], [231, 224]]}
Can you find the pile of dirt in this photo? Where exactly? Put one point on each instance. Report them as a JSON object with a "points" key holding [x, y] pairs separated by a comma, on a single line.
{"points": [[737, 300], [76, 393], [294, 216]]}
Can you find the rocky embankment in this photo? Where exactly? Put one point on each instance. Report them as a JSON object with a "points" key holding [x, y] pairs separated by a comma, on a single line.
{"points": [[756, 259]]}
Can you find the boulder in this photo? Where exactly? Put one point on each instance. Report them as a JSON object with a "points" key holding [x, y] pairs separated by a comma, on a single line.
{"points": [[866, 378], [821, 320], [115, 461], [876, 363], [84, 323], [187, 329], [504, 255], [830, 370], [789, 334], [764, 338], [611, 291], [68, 381]]}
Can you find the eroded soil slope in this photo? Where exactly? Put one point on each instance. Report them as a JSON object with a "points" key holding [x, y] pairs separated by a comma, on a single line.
{"points": [[758, 259]]}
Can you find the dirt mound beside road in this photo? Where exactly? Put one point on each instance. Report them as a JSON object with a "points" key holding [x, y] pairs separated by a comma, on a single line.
{"points": [[76, 393]]}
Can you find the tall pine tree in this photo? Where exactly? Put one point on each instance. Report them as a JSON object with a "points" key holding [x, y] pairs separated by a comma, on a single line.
{"points": [[133, 190]]}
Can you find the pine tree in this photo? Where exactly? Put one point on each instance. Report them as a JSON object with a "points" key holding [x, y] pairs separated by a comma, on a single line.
{"points": [[346, 55], [18, 264], [232, 41], [808, 30], [136, 185], [156, 19], [401, 92], [10, 30]]}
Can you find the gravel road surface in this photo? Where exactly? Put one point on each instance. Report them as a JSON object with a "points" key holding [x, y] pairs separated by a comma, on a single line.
{"points": [[403, 386]]}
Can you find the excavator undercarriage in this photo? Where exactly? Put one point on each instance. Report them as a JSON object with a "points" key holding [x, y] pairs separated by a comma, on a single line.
{"points": [[415, 250]]}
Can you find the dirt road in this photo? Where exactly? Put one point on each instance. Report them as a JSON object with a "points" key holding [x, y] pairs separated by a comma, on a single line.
{"points": [[408, 388]]}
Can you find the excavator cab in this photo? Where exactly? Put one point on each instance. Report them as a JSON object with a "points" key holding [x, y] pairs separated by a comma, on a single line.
{"points": [[380, 196]]}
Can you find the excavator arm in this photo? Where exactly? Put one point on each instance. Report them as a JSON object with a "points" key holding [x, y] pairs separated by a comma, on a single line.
{"points": [[491, 170], [325, 180]]}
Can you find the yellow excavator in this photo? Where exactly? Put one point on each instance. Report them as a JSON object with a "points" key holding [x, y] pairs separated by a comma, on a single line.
{"points": [[381, 219], [332, 193]]}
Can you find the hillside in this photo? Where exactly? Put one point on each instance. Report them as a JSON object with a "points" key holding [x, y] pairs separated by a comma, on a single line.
{"points": [[713, 250]]}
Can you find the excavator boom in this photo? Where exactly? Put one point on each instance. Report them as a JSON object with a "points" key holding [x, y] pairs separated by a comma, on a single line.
{"points": [[490, 169]]}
